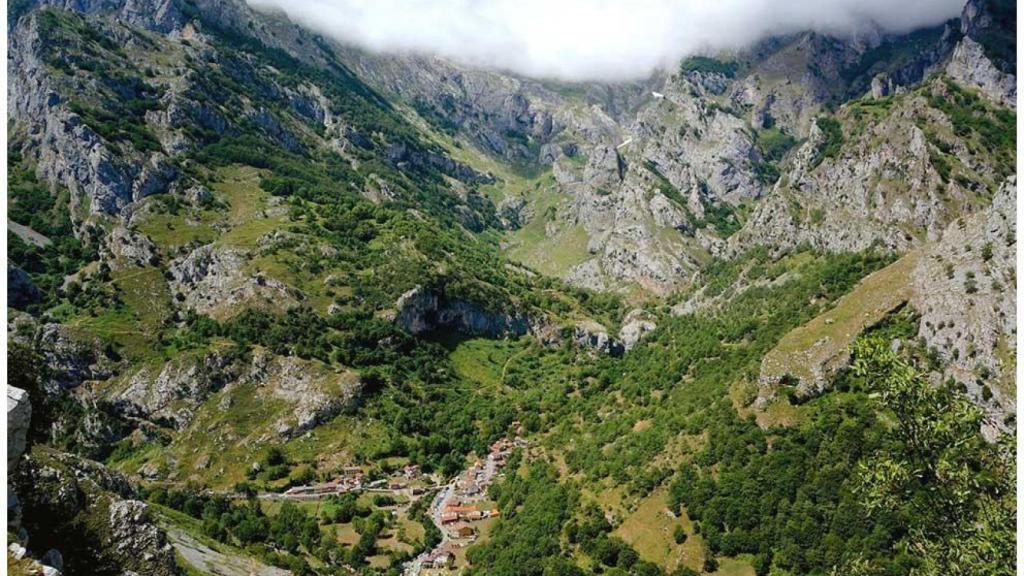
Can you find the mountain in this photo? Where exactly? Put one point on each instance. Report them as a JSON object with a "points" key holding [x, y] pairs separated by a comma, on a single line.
{"points": [[246, 259]]}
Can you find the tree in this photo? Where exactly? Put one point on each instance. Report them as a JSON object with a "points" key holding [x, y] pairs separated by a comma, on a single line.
{"points": [[958, 488]]}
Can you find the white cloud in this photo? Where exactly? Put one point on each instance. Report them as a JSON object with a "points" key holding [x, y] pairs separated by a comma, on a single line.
{"points": [[592, 39]]}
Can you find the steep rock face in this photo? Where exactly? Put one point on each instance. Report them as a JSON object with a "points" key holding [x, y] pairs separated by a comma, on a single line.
{"points": [[70, 153], [173, 391], [506, 116], [116, 137], [970, 67], [890, 182], [590, 334], [422, 310], [61, 493], [128, 249], [19, 414], [133, 534], [176, 391], [70, 358], [964, 288], [313, 394], [635, 326], [993, 23]]}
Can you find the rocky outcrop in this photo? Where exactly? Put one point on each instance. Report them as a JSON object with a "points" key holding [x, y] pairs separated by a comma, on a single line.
{"points": [[965, 290], [61, 494], [129, 249], [67, 151], [514, 212], [423, 310], [970, 67], [69, 357], [172, 392], [313, 393], [19, 414], [135, 536], [634, 326], [592, 335], [21, 291], [19, 417], [214, 280], [177, 391], [961, 285], [879, 186]]}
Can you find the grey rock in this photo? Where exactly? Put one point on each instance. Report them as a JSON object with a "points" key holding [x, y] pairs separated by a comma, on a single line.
{"points": [[969, 319], [175, 390], [213, 280], [136, 538], [634, 326], [19, 415], [590, 334], [314, 393], [881, 86], [21, 291], [514, 212], [17, 550], [129, 249], [969, 66], [53, 559], [422, 310]]}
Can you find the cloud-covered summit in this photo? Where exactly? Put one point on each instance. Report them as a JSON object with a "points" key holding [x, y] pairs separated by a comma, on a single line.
{"points": [[592, 39]]}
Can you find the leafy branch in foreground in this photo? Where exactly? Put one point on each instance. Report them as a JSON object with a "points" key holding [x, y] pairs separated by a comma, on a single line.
{"points": [[958, 487]]}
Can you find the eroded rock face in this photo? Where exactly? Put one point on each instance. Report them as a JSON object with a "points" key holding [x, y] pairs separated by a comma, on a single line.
{"points": [[175, 390], [314, 393], [136, 538], [60, 493], [70, 358], [881, 190], [67, 151], [213, 280], [129, 249], [970, 67], [965, 290], [422, 310]]}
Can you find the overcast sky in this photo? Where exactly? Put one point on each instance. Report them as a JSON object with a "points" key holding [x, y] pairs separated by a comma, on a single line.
{"points": [[592, 39]]}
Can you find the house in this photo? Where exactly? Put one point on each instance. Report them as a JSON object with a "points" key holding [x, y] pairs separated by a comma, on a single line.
{"points": [[464, 531], [449, 517], [461, 510], [475, 515]]}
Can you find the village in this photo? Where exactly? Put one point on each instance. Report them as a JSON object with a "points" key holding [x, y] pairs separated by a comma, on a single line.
{"points": [[408, 481], [461, 508]]}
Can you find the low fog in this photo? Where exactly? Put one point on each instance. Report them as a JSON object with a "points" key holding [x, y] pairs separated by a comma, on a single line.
{"points": [[593, 39]]}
